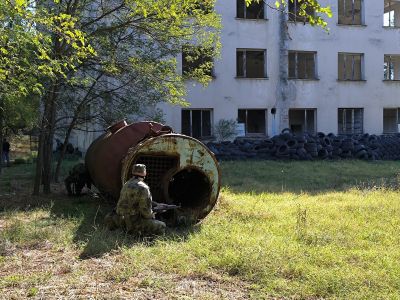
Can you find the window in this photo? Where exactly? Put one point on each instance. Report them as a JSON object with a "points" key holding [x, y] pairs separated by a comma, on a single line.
{"points": [[194, 58], [205, 6], [251, 63], [302, 120], [350, 12], [295, 11], [350, 66], [391, 120], [253, 11], [350, 120], [302, 65], [197, 122], [391, 67], [254, 120], [391, 10]]}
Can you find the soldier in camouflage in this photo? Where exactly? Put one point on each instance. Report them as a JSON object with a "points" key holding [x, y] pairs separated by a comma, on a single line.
{"points": [[134, 207]]}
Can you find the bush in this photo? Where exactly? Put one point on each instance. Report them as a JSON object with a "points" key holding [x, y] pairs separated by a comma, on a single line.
{"points": [[19, 161], [225, 129]]}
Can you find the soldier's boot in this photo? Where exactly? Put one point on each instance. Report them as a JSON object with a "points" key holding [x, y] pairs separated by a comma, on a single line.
{"points": [[112, 221], [152, 227]]}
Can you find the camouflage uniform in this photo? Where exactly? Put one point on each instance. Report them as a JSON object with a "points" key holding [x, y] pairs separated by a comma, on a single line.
{"points": [[134, 208]]}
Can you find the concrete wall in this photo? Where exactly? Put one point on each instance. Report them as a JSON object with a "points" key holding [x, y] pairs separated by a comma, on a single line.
{"points": [[226, 94]]}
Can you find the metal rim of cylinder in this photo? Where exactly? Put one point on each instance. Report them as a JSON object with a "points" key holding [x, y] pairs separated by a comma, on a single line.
{"points": [[151, 145]]}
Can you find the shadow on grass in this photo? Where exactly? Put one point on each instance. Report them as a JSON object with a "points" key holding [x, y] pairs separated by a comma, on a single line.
{"points": [[95, 239]]}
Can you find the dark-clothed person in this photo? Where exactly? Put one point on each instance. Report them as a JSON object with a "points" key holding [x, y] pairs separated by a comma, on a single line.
{"points": [[6, 152]]}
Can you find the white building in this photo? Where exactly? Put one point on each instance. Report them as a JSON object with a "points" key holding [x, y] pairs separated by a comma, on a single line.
{"points": [[344, 81]]}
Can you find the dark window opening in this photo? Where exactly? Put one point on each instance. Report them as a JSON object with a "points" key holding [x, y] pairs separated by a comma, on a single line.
{"points": [[350, 66], [391, 120], [295, 11], [251, 63], [196, 122], [302, 120], [350, 12], [253, 11], [254, 120], [350, 120], [195, 59], [302, 65]]}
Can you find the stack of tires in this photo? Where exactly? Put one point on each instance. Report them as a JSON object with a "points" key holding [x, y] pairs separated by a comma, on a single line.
{"points": [[310, 147]]}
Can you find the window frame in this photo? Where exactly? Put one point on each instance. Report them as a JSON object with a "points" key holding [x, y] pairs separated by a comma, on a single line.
{"points": [[245, 8], [314, 110], [362, 21], [294, 17], [390, 65], [244, 62], [345, 54], [190, 110], [201, 59], [397, 119], [342, 129], [390, 10], [296, 67], [265, 110]]}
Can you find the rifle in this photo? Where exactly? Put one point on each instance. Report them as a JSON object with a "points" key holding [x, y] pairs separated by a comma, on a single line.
{"points": [[162, 207]]}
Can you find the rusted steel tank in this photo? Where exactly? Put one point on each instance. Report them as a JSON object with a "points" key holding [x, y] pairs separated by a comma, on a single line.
{"points": [[180, 169]]}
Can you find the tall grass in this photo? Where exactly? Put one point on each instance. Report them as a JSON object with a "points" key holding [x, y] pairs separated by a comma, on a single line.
{"points": [[300, 230]]}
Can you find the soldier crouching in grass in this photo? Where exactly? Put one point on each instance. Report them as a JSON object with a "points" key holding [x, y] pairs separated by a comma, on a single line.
{"points": [[134, 207]]}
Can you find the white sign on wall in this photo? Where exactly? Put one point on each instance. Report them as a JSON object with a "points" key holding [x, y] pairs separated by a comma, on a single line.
{"points": [[240, 129]]}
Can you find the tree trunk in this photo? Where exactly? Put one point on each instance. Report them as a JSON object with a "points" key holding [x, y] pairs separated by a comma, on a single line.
{"points": [[64, 149], [48, 146], [45, 151], [1, 132]]}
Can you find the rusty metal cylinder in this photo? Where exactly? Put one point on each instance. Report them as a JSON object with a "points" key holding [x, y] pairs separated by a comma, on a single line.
{"points": [[180, 169]]}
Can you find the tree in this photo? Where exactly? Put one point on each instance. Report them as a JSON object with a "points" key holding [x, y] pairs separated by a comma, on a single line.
{"points": [[312, 10], [102, 54], [136, 44]]}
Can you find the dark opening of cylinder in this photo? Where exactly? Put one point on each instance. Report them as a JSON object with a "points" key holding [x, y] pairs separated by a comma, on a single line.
{"points": [[190, 188]]}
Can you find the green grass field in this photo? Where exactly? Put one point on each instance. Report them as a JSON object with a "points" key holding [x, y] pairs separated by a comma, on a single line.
{"points": [[281, 230]]}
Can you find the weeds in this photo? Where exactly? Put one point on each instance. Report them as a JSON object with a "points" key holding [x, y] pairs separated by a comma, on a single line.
{"points": [[332, 233]]}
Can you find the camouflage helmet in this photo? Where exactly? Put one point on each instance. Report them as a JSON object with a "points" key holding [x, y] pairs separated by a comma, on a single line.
{"points": [[139, 169]]}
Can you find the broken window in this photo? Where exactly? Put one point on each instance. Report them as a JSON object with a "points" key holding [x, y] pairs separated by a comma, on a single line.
{"points": [[254, 120], [391, 120], [350, 12], [350, 66], [251, 63], [350, 120], [197, 122], [253, 11], [391, 67], [302, 65], [390, 13], [197, 58], [295, 11], [302, 120]]}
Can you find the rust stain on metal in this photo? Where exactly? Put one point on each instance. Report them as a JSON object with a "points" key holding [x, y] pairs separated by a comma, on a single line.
{"points": [[181, 169]]}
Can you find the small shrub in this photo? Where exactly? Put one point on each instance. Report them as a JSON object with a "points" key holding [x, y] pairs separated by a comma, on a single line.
{"points": [[225, 129], [19, 161]]}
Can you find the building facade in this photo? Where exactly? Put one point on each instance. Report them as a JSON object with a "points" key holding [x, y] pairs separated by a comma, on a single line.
{"points": [[275, 74]]}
